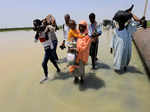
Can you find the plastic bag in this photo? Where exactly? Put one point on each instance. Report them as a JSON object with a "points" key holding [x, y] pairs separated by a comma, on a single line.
{"points": [[71, 57]]}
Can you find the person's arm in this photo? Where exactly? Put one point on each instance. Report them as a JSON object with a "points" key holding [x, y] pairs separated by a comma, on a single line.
{"points": [[74, 34], [90, 31], [46, 32], [64, 32], [69, 35], [51, 28], [99, 31], [141, 21], [57, 28], [36, 37], [136, 18], [112, 44], [132, 26]]}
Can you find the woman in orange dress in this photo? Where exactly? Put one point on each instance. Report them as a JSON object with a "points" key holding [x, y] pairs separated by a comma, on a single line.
{"points": [[82, 48]]}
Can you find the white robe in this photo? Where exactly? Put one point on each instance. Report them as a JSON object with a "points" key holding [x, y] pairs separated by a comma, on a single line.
{"points": [[122, 46]]}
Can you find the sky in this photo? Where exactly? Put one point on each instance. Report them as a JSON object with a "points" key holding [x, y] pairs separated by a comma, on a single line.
{"points": [[20, 13]]}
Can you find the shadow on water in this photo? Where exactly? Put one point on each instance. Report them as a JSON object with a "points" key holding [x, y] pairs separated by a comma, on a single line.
{"points": [[63, 76], [132, 69], [102, 66], [92, 82]]}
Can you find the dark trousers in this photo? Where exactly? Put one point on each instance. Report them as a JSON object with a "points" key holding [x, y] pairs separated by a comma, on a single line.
{"points": [[49, 55], [55, 42], [93, 52], [97, 43]]}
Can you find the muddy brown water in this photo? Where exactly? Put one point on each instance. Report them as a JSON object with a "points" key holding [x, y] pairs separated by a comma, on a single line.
{"points": [[103, 91]]}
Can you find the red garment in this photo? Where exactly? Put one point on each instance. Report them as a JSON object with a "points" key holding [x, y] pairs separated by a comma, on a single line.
{"points": [[83, 48]]}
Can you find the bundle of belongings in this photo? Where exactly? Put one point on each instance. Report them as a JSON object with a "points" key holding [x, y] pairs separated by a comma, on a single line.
{"points": [[123, 17], [71, 55]]}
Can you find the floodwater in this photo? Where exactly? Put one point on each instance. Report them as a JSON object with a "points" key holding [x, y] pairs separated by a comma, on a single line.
{"points": [[103, 91]]}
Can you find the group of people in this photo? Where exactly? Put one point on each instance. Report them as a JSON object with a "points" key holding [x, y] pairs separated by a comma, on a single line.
{"points": [[82, 42]]}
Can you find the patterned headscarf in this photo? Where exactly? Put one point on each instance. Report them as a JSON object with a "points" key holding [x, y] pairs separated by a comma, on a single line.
{"points": [[85, 24]]}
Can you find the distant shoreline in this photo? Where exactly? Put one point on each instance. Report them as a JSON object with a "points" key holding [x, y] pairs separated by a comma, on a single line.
{"points": [[15, 29], [19, 28], [30, 28]]}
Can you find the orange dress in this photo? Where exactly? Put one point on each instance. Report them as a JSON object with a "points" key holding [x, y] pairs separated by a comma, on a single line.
{"points": [[83, 48]]}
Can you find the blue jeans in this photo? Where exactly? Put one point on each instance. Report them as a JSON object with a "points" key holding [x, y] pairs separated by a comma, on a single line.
{"points": [[93, 52], [55, 42], [49, 55]]}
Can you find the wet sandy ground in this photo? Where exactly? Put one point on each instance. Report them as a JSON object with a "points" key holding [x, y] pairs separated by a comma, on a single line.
{"points": [[103, 91]]}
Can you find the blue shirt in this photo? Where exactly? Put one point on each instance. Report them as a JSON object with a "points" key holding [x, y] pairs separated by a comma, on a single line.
{"points": [[94, 28]]}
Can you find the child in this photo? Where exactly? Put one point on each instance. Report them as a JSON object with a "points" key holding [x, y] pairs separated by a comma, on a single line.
{"points": [[82, 48], [73, 33]]}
